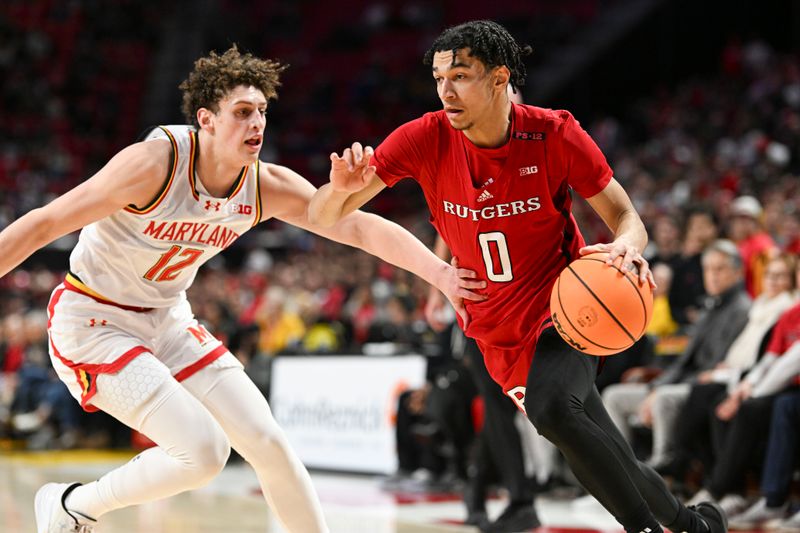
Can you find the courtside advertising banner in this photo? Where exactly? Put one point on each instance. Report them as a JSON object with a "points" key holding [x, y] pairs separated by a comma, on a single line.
{"points": [[339, 412]]}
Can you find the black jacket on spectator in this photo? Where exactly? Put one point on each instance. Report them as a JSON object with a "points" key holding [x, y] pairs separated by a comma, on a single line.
{"points": [[715, 331], [687, 289]]}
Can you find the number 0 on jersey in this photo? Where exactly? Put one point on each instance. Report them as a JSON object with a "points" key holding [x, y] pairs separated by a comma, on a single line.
{"points": [[501, 247]]}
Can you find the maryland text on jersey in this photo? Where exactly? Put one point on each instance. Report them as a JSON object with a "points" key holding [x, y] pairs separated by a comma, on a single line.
{"points": [[196, 232]]}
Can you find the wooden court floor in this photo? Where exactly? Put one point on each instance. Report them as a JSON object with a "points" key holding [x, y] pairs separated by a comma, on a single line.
{"points": [[232, 503]]}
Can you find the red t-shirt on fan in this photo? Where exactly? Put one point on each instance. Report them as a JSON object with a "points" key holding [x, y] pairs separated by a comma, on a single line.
{"points": [[505, 213], [786, 334]]}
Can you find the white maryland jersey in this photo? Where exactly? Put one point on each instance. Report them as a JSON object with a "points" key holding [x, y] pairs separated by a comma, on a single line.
{"points": [[148, 256]]}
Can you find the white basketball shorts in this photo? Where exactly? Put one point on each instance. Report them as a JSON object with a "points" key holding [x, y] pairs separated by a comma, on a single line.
{"points": [[90, 336]]}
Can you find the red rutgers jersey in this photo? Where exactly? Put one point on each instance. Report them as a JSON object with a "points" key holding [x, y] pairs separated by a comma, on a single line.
{"points": [[504, 212]]}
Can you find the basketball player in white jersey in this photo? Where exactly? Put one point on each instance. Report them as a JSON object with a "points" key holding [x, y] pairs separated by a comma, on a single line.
{"points": [[122, 334]]}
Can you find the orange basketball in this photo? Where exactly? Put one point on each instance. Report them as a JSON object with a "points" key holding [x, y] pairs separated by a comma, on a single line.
{"points": [[599, 309]]}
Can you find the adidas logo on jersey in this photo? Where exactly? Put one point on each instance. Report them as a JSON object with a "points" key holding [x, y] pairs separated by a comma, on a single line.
{"points": [[485, 195]]}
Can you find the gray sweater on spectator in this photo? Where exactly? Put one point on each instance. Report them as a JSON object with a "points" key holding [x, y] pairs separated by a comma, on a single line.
{"points": [[724, 319]]}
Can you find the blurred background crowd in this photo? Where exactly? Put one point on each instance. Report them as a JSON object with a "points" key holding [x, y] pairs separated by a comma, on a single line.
{"points": [[702, 129]]}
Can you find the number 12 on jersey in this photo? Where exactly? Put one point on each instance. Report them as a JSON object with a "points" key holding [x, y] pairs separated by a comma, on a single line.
{"points": [[495, 240], [162, 272]]}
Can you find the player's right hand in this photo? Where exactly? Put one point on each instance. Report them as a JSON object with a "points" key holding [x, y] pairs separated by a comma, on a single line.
{"points": [[352, 172]]}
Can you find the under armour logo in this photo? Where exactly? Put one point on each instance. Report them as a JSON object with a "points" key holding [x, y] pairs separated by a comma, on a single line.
{"points": [[485, 195], [93, 322], [214, 205]]}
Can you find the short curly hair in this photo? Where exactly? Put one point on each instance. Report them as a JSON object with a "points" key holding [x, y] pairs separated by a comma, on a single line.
{"points": [[488, 41], [214, 76]]}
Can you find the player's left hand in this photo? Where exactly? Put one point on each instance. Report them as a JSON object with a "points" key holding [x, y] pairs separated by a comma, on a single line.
{"points": [[625, 257]]}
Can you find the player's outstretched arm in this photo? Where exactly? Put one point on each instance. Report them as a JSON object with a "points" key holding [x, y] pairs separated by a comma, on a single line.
{"points": [[290, 197], [131, 177], [353, 182], [434, 306], [630, 236]]}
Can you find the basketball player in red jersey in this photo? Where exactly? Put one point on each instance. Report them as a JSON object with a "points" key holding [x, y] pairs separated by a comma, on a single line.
{"points": [[122, 334], [498, 179]]}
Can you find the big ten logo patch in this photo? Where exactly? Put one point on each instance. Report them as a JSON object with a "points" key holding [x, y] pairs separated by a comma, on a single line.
{"points": [[242, 209], [201, 334], [517, 394]]}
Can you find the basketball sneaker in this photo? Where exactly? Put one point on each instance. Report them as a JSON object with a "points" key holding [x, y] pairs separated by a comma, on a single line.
{"points": [[712, 515], [52, 515], [758, 515], [790, 525], [514, 518]]}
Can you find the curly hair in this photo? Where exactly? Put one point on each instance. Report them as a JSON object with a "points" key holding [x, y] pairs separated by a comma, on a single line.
{"points": [[214, 76], [488, 41]]}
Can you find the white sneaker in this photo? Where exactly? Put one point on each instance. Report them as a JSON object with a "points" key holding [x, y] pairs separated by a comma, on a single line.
{"points": [[790, 525], [700, 496], [51, 514], [733, 504], [757, 515], [27, 422]]}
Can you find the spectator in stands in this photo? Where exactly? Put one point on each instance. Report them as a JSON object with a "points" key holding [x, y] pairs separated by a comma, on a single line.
{"points": [[11, 359], [783, 447], [279, 322], [449, 406], [12, 344], [744, 415], [42, 405], [657, 403], [789, 231], [666, 244], [692, 437], [755, 245], [662, 324], [435, 431], [417, 457], [393, 324], [359, 311], [778, 295], [686, 292]]}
